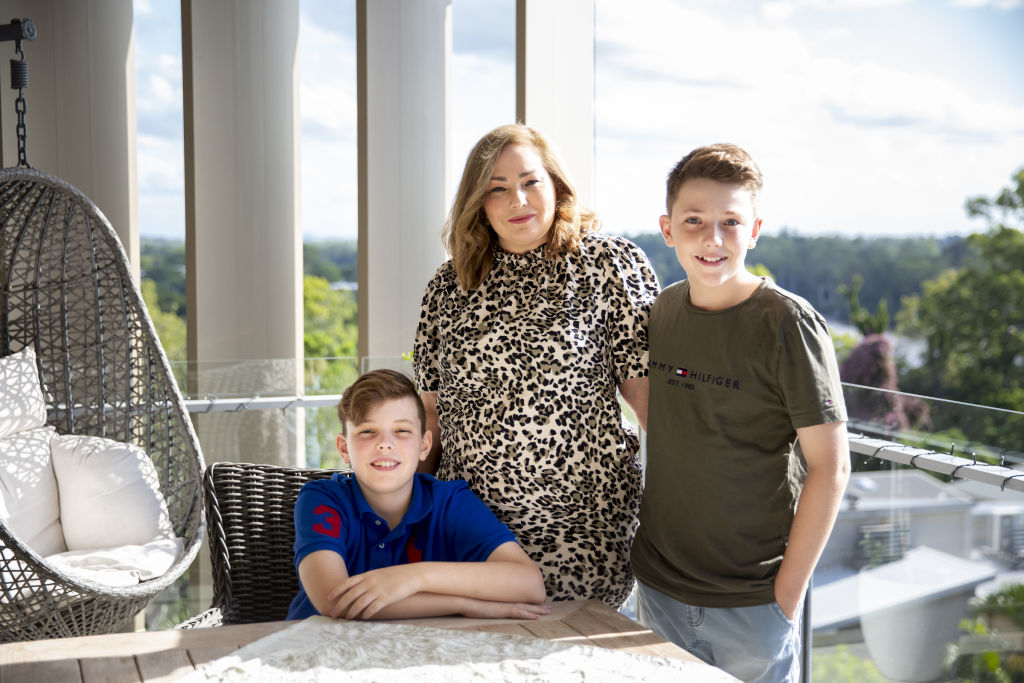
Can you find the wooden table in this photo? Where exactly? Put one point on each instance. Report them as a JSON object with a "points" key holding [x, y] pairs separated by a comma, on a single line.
{"points": [[166, 655]]}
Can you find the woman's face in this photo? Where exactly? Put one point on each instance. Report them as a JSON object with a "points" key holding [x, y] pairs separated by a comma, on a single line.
{"points": [[520, 202]]}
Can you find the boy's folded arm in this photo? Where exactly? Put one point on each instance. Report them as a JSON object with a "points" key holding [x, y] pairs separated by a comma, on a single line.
{"points": [[507, 585], [508, 576], [827, 453], [436, 605], [321, 572]]}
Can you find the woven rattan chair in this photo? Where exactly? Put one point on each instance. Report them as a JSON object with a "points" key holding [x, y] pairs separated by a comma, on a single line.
{"points": [[252, 530], [66, 291]]}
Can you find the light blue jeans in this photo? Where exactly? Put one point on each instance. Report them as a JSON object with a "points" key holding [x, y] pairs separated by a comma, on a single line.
{"points": [[757, 643]]}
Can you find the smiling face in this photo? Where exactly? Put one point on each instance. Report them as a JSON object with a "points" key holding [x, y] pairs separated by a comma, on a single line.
{"points": [[520, 202], [384, 449], [712, 225]]}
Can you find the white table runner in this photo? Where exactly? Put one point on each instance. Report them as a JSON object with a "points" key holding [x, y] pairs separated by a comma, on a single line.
{"points": [[322, 649]]}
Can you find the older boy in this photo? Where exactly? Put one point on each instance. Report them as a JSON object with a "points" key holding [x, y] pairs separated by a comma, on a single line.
{"points": [[740, 371], [387, 543]]}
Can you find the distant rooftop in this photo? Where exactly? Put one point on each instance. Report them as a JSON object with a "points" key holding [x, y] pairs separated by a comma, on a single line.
{"points": [[901, 489]]}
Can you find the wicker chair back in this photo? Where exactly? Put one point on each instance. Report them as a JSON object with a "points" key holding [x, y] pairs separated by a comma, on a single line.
{"points": [[250, 511]]}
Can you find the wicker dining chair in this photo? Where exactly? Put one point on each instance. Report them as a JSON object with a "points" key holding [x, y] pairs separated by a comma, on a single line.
{"points": [[250, 509], [66, 290]]}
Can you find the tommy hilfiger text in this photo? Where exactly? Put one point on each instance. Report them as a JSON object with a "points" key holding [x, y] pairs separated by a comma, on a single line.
{"points": [[693, 377]]}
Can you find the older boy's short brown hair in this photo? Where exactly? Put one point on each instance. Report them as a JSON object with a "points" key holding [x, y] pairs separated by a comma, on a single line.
{"points": [[722, 162], [372, 389]]}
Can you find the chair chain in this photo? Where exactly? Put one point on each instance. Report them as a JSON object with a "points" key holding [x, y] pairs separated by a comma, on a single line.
{"points": [[19, 80]]}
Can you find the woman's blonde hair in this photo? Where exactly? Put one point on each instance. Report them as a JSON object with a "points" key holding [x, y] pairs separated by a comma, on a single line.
{"points": [[467, 234]]}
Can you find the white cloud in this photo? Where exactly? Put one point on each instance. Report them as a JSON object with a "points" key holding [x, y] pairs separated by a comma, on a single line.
{"points": [[482, 98], [161, 164], [329, 188], [161, 175], [158, 81], [845, 4], [328, 147], [847, 145], [331, 106], [327, 79], [997, 4], [778, 12]]}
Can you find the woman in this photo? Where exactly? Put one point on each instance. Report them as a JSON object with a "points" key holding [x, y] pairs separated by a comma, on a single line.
{"points": [[523, 338]]}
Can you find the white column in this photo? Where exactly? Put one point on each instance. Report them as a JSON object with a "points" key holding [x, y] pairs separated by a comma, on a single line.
{"points": [[243, 235], [555, 80], [404, 50], [80, 103]]}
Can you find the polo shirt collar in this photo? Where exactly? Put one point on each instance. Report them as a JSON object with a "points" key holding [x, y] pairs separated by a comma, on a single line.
{"points": [[420, 505]]}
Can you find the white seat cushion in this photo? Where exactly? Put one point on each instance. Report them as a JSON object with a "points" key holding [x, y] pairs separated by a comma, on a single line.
{"points": [[122, 566], [28, 490], [109, 493], [22, 405]]}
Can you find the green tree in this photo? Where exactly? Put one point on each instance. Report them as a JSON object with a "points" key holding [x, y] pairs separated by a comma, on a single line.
{"points": [[972, 320], [163, 262], [814, 267], [331, 336], [842, 666], [331, 324], [973, 324], [1006, 208], [866, 322], [169, 327], [333, 260]]}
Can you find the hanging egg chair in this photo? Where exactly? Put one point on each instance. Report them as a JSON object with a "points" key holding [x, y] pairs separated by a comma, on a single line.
{"points": [[66, 292]]}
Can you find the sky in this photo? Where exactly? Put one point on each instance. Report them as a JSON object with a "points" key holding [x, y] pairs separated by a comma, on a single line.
{"points": [[867, 117]]}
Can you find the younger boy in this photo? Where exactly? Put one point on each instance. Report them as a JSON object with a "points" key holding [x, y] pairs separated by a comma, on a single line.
{"points": [[387, 543], [740, 371]]}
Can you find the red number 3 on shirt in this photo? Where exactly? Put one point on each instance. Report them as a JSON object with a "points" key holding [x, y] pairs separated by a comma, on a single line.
{"points": [[331, 526]]}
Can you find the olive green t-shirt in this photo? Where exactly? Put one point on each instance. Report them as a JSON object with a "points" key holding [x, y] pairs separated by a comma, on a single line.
{"points": [[728, 389]]}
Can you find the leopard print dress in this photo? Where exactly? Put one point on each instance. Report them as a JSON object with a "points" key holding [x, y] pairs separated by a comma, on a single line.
{"points": [[525, 368]]}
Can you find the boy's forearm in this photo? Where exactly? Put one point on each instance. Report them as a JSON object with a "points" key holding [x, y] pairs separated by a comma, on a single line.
{"points": [[827, 474], [507, 577], [434, 605], [494, 580], [812, 525], [422, 605]]}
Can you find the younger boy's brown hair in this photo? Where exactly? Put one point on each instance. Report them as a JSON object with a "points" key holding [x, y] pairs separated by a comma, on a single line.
{"points": [[372, 389], [722, 162]]}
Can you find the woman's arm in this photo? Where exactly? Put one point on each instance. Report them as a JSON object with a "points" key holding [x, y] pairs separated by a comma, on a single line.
{"points": [[635, 392], [429, 465], [507, 576], [827, 452]]}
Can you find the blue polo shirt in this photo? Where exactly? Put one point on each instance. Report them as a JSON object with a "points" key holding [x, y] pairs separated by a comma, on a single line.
{"points": [[445, 522]]}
